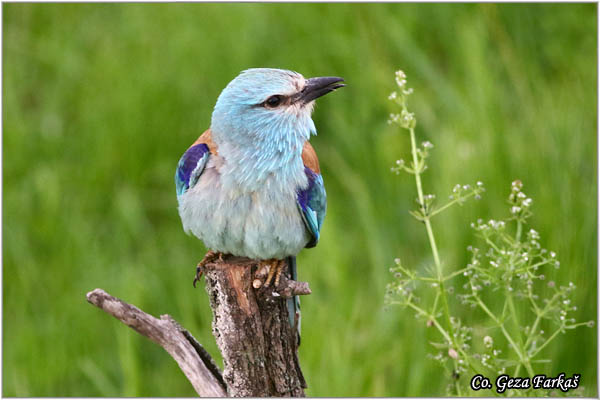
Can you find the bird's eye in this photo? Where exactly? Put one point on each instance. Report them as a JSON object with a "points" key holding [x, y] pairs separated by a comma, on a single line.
{"points": [[273, 101]]}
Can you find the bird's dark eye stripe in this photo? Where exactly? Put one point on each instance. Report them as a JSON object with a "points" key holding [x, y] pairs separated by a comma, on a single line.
{"points": [[273, 101]]}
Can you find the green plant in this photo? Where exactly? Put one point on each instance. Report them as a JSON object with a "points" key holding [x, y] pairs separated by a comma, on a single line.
{"points": [[88, 176], [510, 263]]}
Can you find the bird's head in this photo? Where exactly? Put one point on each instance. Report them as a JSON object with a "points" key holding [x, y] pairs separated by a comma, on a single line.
{"points": [[265, 105]]}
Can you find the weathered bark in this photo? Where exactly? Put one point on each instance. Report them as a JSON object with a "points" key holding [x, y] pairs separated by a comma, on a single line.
{"points": [[251, 326], [194, 361]]}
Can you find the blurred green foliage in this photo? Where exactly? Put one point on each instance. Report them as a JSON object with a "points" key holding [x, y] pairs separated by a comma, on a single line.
{"points": [[100, 101]]}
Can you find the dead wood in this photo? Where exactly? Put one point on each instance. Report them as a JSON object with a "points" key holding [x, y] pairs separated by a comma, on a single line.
{"points": [[250, 324]]}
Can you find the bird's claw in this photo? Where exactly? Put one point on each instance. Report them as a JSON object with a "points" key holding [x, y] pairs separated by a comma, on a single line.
{"points": [[208, 258], [275, 270], [199, 272]]}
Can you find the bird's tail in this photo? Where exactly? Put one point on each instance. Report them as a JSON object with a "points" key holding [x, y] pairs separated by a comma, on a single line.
{"points": [[293, 304]]}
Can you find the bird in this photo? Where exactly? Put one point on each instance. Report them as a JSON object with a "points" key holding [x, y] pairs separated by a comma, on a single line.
{"points": [[251, 185]]}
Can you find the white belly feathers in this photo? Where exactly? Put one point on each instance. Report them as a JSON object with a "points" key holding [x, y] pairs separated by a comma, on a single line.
{"points": [[258, 224]]}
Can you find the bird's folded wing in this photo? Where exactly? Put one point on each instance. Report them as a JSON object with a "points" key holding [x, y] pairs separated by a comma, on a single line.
{"points": [[312, 201], [192, 163]]}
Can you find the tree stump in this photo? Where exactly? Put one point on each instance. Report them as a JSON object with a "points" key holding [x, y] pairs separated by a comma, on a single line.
{"points": [[251, 327], [252, 330]]}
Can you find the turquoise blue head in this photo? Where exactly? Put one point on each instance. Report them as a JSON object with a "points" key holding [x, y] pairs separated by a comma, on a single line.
{"points": [[269, 105]]}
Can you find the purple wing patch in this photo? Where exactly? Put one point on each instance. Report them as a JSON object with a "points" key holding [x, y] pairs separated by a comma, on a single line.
{"points": [[190, 167]]}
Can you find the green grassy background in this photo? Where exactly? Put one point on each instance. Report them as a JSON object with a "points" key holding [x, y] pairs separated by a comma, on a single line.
{"points": [[100, 101]]}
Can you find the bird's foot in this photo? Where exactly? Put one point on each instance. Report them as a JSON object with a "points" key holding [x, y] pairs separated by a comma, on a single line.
{"points": [[208, 258], [274, 268]]}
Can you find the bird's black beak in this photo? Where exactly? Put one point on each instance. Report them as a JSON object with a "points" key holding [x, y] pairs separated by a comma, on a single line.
{"points": [[317, 87]]}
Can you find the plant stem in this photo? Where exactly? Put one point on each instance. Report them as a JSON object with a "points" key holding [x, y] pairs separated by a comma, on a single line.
{"points": [[436, 258], [426, 220], [442, 331], [434, 320], [540, 315], [517, 369], [554, 335], [522, 351], [451, 203], [546, 342], [514, 345], [455, 273]]}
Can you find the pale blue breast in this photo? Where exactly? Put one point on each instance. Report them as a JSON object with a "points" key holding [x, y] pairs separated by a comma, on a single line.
{"points": [[260, 223]]}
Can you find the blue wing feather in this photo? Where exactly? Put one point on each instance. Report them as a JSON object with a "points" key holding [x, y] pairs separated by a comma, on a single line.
{"points": [[190, 167], [312, 203]]}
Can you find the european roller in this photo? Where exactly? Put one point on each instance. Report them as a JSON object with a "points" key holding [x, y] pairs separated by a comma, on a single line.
{"points": [[250, 185]]}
